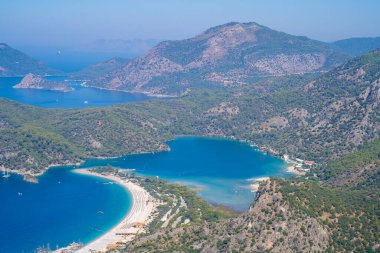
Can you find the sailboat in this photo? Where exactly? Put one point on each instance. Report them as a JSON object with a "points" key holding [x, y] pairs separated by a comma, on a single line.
{"points": [[6, 174]]}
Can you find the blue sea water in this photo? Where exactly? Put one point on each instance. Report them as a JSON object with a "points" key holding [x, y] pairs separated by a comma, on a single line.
{"points": [[220, 169], [81, 97], [63, 207]]}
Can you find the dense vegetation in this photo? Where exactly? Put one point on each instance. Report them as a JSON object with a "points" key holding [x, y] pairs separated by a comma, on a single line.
{"points": [[318, 120], [99, 69], [333, 119], [345, 199], [352, 216], [181, 202], [296, 214]]}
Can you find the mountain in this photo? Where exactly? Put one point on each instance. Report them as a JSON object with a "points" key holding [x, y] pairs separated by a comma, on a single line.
{"points": [[318, 119], [31, 81], [101, 68], [332, 119], [294, 215], [233, 54], [16, 63], [357, 46]]}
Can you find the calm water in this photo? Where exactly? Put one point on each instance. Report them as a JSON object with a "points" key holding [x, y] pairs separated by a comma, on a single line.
{"points": [[218, 168], [64, 207], [81, 97], [61, 209]]}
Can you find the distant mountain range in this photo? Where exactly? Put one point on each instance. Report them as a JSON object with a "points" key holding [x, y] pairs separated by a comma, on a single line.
{"points": [[230, 55], [16, 63], [357, 46], [334, 208]]}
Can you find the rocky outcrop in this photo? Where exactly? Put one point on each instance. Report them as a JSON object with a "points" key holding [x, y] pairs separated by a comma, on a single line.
{"points": [[269, 225], [31, 81]]}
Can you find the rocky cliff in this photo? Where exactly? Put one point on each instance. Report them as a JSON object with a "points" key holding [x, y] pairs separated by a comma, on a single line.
{"points": [[269, 225]]}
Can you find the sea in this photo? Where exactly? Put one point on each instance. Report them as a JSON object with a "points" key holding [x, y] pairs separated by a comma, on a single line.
{"points": [[65, 207], [81, 97]]}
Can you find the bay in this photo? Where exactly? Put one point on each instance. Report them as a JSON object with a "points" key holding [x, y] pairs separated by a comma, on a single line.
{"points": [[81, 97]]}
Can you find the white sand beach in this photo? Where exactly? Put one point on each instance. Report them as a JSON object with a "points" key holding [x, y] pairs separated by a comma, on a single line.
{"points": [[140, 214], [256, 183], [292, 169]]}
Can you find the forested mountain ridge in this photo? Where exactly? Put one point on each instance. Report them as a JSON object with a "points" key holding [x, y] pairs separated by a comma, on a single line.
{"points": [[100, 68], [357, 46], [16, 63], [233, 54], [321, 119], [333, 119]]}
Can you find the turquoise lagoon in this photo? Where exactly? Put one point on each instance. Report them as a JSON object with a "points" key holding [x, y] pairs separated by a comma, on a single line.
{"points": [[65, 207], [219, 169]]}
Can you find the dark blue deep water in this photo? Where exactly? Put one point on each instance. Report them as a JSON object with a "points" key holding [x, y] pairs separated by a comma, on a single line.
{"points": [[81, 97], [62, 208]]}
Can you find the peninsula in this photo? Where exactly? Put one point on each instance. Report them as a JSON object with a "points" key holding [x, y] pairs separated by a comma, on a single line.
{"points": [[32, 81], [156, 205]]}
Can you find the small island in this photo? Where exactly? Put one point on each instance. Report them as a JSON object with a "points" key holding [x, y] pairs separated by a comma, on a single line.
{"points": [[32, 81]]}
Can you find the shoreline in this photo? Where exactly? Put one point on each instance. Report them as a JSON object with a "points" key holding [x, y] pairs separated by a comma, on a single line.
{"points": [[33, 178], [146, 93], [256, 183], [133, 223], [292, 169]]}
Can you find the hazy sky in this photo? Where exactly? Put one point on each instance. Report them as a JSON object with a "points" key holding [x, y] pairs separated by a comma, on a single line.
{"points": [[68, 22]]}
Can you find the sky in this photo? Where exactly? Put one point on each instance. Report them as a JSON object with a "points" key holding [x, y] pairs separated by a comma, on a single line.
{"points": [[27, 24]]}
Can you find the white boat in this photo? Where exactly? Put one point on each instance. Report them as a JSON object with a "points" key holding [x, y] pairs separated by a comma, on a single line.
{"points": [[6, 173]]}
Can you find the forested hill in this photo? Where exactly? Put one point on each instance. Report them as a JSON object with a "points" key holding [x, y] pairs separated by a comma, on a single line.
{"points": [[102, 68], [334, 209], [333, 119], [328, 116], [357, 46], [16, 63], [320, 119]]}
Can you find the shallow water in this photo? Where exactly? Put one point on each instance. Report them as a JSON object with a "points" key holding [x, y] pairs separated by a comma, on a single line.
{"points": [[218, 168]]}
